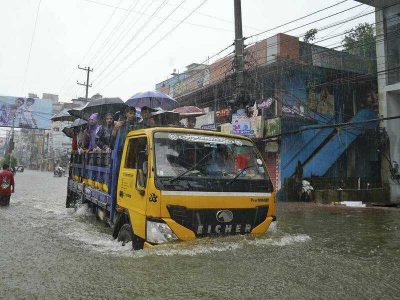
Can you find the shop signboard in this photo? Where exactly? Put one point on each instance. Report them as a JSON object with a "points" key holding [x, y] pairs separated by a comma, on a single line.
{"points": [[241, 124], [272, 127], [272, 147], [257, 125], [208, 127], [223, 114]]}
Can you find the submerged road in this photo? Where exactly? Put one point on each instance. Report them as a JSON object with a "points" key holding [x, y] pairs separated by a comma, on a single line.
{"points": [[318, 252]]}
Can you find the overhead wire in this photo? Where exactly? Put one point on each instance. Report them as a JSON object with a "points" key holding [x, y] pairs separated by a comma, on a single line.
{"points": [[298, 19], [324, 28], [30, 47], [111, 35], [126, 45], [144, 39], [99, 34], [155, 44]]}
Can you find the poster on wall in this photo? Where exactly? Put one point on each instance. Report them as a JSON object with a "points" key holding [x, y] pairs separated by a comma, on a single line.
{"points": [[241, 124], [272, 127], [322, 102], [21, 112]]}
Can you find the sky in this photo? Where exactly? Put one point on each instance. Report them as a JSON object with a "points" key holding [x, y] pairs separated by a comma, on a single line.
{"points": [[134, 44]]}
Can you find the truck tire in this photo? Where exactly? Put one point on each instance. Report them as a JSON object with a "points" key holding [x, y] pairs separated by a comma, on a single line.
{"points": [[126, 234]]}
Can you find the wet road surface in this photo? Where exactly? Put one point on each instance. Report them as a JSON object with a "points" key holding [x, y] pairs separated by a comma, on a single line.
{"points": [[318, 252]]}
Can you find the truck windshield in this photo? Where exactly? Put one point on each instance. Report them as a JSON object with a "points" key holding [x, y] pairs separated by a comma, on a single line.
{"points": [[199, 161]]}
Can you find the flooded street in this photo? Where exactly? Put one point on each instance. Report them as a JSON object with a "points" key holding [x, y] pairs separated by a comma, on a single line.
{"points": [[48, 251]]}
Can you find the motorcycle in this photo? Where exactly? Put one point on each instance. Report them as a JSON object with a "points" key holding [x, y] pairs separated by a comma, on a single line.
{"points": [[59, 172], [306, 191]]}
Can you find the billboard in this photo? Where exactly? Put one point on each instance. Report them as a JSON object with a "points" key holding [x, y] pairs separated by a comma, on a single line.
{"points": [[21, 112]]}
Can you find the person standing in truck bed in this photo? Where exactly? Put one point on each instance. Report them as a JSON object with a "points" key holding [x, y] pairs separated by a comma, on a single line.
{"points": [[6, 185]]}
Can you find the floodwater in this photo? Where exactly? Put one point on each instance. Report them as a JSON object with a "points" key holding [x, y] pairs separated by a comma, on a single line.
{"points": [[317, 252]]}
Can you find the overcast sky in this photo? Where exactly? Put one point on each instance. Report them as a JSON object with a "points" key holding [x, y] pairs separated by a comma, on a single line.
{"points": [[133, 44]]}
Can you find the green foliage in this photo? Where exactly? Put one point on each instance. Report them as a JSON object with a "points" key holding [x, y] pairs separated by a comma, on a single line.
{"points": [[310, 35], [361, 41], [6, 159]]}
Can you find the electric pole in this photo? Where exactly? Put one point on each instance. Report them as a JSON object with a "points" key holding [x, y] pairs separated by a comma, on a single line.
{"points": [[88, 70], [239, 53]]}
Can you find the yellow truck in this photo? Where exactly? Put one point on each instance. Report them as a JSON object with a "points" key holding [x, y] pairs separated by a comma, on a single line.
{"points": [[175, 184]]}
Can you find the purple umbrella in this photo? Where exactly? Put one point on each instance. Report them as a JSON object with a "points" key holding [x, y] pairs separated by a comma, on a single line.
{"points": [[152, 99]]}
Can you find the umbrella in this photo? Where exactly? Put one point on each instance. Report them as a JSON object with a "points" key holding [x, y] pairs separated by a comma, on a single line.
{"points": [[78, 122], [152, 99], [63, 116], [68, 131], [189, 111], [103, 106], [77, 112]]}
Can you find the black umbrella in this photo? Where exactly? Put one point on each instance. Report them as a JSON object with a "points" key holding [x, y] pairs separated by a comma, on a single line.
{"points": [[63, 116], [78, 123], [103, 106], [68, 131], [77, 112]]}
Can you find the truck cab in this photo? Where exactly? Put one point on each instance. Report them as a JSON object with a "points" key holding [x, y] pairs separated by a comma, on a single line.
{"points": [[177, 184]]}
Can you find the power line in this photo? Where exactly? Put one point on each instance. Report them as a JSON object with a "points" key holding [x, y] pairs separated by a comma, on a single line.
{"points": [[337, 125], [30, 47], [143, 40], [298, 19], [99, 34], [155, 44], [113, 31], [171, 20], [147, 21], [288, 40]]}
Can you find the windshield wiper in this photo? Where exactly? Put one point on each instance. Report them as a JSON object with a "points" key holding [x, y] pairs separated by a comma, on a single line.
{"points": [[192, 168], [240, 173]]}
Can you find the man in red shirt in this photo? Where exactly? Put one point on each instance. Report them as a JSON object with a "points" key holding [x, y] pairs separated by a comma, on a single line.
{"points": [[6, 185]]}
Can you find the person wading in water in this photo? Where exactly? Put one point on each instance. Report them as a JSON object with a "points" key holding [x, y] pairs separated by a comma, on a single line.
{"points": [[6, 185]]}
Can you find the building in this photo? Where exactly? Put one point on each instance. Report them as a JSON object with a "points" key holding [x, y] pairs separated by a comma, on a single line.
{"points": [[292, 88], [387, 15]]}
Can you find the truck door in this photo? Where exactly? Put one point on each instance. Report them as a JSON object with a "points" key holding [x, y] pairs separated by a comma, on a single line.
{"points": [[133, 180]]}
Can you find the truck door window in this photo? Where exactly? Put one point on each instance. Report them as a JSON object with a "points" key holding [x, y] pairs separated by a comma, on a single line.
{"points": [[136, 158], [137, 149]]}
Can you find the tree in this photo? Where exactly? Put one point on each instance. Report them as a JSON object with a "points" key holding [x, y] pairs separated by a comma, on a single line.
{"points": [[360, 41], [13, 163], [310, 35]]}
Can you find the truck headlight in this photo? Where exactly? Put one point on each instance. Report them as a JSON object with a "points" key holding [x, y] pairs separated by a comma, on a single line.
{"points": [[159, 233]]}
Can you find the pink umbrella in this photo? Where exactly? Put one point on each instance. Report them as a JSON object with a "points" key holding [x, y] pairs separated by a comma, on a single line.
{"points": [[189, 111]]}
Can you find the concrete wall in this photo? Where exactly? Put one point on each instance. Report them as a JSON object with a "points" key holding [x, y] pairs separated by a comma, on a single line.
{"points": [[389, 103], [367, 196]]}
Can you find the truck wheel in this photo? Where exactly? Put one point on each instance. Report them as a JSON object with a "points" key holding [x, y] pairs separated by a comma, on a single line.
{"points": [[125, 235], [137, 242]]}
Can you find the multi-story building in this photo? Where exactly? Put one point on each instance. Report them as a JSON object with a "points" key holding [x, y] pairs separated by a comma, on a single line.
{"points": [[292, 88], [387, 15]]}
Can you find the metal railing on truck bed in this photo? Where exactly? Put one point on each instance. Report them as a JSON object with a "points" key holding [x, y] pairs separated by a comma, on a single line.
{"points": [[89, 177]]}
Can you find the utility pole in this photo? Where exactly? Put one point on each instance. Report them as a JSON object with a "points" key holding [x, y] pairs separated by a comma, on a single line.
{"points": [[239, 53], [88, 70]]}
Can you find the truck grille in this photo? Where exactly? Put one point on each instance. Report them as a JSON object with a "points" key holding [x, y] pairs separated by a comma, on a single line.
{"points": [[204, 222]]}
